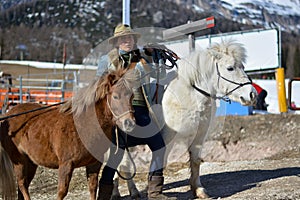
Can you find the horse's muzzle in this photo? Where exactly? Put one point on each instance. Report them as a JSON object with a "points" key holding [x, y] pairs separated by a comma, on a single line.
{"points": [[253, 96], [128, 125]]}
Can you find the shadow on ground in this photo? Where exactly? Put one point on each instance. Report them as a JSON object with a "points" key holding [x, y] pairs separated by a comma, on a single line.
{"points": [[226, 184]]}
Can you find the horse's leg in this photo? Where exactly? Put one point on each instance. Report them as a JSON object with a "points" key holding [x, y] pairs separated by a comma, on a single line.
{"points": [[31, 170], [24, 174], [65, 171], [92, 172], [195, 161]]}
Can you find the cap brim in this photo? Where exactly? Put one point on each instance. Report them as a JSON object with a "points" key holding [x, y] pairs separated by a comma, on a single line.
{"points": [[113, 38]]}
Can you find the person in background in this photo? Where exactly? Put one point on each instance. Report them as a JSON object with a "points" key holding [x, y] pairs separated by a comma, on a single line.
{"points": [[125, 54], [293, 104], [6, 79], [260, 101]]}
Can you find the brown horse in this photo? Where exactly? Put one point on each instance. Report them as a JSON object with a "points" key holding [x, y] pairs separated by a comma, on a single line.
{"points": [[64, 137]]}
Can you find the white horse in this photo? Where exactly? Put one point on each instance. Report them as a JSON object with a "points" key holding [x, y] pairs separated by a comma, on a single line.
{"points": [[189, 100]]}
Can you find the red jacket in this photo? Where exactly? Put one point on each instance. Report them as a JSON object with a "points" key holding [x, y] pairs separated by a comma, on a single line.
{"points": [[257, 87]]}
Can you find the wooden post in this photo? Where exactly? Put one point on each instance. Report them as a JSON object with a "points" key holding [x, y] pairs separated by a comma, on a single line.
{"points": [[191, 40]]}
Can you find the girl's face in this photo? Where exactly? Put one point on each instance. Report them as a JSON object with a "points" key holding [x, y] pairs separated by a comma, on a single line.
{"points": [[126, 43]]}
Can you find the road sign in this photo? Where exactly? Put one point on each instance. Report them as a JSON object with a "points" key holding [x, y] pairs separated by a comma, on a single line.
{"points": [[189, 28]]}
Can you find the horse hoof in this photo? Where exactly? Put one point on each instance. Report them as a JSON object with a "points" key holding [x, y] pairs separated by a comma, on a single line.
{"points": [[201, 193]]}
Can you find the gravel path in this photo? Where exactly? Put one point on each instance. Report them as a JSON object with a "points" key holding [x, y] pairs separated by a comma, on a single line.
{"points": [[241, 162]]}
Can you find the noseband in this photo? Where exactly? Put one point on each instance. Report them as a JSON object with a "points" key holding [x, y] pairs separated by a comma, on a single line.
{"points": [[117, 117], [224, 98]]}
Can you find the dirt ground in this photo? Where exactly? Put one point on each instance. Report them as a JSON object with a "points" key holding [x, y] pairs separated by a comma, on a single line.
{"points": [[249, 157]]}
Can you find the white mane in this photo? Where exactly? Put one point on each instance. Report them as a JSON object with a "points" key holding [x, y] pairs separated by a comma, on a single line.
{"points": [[228, 47]]}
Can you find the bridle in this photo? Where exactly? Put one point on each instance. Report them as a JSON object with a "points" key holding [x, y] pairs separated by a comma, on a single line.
{"points": [[118, 117], [224, 97]]}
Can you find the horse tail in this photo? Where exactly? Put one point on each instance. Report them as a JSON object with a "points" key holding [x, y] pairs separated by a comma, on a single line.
{"points": [[7, 180]]}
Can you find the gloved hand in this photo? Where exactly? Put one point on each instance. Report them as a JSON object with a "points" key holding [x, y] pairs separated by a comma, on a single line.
{"points": [[160, 51], [150, 47]]}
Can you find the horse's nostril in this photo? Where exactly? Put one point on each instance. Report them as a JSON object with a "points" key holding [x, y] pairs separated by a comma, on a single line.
{"points": [[252, 95], [242, 99], [128, 123]]}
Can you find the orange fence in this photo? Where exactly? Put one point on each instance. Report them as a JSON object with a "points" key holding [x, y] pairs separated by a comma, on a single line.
{"points": [[14, 96], [45, 89]]}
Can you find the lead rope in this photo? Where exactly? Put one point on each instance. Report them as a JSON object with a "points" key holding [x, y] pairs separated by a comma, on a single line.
{"points": [[29, 111], [117, 140], [129, 155]]}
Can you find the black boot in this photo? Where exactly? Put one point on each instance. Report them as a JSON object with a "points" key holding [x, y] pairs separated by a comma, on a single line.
{"points": [[155, 184], [105, 191]]}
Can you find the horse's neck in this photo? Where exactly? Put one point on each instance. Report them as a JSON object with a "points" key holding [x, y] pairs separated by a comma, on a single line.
{"points": [[105, 117], [197, 74], [182, 89]]}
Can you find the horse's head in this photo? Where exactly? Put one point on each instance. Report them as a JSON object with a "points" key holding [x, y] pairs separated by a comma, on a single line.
{"points": [[119, 98], [229, 75]]}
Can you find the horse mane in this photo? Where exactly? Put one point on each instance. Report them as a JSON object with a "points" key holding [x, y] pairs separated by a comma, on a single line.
{"points": [[229, 47], [97, 90]]}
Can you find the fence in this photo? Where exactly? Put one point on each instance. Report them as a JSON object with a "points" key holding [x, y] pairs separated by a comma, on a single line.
{"points": [[38, 88]]}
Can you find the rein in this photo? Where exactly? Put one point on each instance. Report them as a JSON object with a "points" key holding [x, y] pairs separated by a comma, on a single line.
{"points": [[30, 111], [129, 155], [224, 97]]}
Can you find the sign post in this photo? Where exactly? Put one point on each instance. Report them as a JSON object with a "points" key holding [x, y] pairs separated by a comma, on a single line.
{"points": [[189, 29], [281, 90], [126, 12]]}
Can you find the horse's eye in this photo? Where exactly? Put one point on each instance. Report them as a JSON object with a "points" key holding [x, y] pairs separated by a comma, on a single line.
{"points": [[230, 69], [115, 97]]}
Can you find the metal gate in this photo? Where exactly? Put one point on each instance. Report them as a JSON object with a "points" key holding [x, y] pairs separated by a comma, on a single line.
{"points": [[45, 89]]}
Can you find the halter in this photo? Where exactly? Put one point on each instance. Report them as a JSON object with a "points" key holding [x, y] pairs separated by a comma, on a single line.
{"points": [[117, 117], [224, 97]]}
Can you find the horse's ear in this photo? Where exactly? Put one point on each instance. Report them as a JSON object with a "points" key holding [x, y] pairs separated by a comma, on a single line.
{"points": [[112, 79]]}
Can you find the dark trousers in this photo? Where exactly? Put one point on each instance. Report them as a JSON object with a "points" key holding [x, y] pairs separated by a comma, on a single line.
{"points": [[154, 141], [260, 101]]}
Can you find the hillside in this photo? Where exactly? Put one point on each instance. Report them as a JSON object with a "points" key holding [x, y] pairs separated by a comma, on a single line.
{"points": [[37, 30]]}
